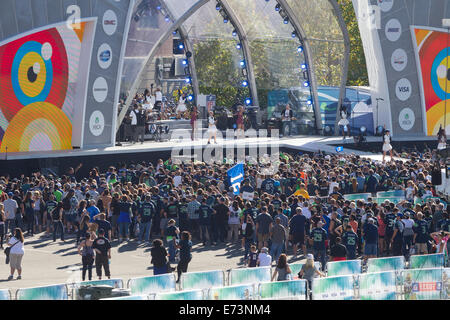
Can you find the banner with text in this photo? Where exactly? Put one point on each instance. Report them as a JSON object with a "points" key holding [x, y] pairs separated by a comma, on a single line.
{"points": [[250, 275], [378, 286], [333, 288]]}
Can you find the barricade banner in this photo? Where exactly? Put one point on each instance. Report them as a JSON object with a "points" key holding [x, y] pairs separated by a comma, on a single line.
{"points": [[395, 200], [385, 264], [343, 268], [141, 297], [392, 193], [357, 196], [202, 280], [182, 295], [55, 292], [378, 286], [422, 284], [250, 275], [296, 267], [446, 283], [426, 261], [239, 292], [155, 284], [333, 288], [5, 294], [294, 289]]}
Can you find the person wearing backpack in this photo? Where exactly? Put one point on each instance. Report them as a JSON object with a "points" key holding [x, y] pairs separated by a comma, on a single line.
{"points": [[408, 235], [15, 253]]}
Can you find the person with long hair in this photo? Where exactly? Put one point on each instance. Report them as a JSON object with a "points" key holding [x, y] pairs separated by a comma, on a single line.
{"points": [[84, 227], [442, 139], [16, 244], [57, 218], [309, 270], [87, 253], [212, 129], [283, 271], [343, 123], [185, 246], [387, 147], [2, 224], [159, 257]]}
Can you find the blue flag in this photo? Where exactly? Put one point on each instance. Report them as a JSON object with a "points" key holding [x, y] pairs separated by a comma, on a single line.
{"points": [[235, 177], [339, 149]]}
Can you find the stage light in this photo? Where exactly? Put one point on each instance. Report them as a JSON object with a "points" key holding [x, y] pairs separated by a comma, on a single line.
{"points": [[286, 20], [225, 20], [190, 97], [158, 7], [238, 46], [363, 129], [327, 130], [245, 83], [303, 66], [379, 131], [174, 32], [218, 7], [188, 80], [181, 46], [185, 62], [300, 49], [306, 84], [234, 33], [242, 63], [309, 102], [294, 34], [278, 7], [248, 101], [167, 18]]}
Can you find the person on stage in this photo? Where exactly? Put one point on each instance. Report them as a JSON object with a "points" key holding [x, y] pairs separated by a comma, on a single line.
{"points": [[240, 121], [212, 129], [181, 108], [387, 147], [343, 123], [286, 118], [442, 139]]}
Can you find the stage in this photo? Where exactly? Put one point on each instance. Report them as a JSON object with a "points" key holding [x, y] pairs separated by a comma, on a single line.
{"points": [[17, 163]]}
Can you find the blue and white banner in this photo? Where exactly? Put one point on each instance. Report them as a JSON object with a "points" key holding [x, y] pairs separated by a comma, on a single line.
{"points": [[235, 177]]}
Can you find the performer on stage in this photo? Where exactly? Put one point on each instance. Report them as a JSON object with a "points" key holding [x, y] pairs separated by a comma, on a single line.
{"points": [[343, 123], [442, 139], [387, 147], [212, 130], [286, 117], [181, 108], [240, 120]]}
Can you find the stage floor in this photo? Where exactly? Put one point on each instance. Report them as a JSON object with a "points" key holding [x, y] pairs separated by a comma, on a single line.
{"points": [[300, 143]]}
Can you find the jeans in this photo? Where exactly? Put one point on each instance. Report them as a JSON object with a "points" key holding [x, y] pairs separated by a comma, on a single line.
{"points": [[19, 221], [276, 250], [172, 251], [144, 231], [124, 228], [58, 225], [323, 257], [182, 267], [289, 125], [204, 229], [248, 243], [88, 261], [407, 244], [10, 224], [30, 222], [233, 232]]}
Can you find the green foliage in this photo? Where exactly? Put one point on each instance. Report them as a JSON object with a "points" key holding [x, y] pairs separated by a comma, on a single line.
{"points": [[357, 75]]}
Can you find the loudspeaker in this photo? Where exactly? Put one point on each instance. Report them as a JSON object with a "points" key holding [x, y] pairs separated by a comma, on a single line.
{"points": [[436, 177]]}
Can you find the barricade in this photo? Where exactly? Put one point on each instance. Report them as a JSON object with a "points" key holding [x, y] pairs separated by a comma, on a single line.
{"points": [[357, 196], [5, 294], [239, 292], [296, 267], [385, 264], [379, 286], [283, 290], [181, 295], [53, 292], [154, 284], [334, 288], [250, 275], [423, 284], [426, 261], [115, 283], [202, 280], [343, 268]]}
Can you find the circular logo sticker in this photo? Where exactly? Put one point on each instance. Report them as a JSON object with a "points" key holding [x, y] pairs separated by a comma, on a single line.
{"points": [[110, 22], [393, 30], [385, 5], [399, 60], [104, 56], [403, 89], [406, 119], [97, 123], [100, 89]]}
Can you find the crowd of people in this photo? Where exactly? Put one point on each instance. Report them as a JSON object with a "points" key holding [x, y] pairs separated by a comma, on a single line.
{"points": [[299, 212]]}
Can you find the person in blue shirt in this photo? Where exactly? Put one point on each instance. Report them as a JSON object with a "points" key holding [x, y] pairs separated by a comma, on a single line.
{"points": [[297, 230], [370, 233], [350, 241], [124, 220], [147, 212], [318, 238], [268, 185], [92, 210]]}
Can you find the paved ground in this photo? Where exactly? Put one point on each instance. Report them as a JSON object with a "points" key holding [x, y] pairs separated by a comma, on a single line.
{"points": [[46, 262]]}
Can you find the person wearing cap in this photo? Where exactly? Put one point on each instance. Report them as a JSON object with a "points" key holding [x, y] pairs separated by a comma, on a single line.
{"points": [[264, 259], [102, 248], [370, 233], [297, 227], [10, 206]]}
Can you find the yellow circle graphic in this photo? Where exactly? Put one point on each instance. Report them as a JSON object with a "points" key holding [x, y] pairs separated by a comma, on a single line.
{"points": [[36, 120], [436, 117], [32, 74]]}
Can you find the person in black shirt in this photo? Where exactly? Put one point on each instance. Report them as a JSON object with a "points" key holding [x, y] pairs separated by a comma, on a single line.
{"points": [[338, 252], [221, 220], [57, 216], [100, 220], [205, 213], [102, 248], [159, 258], [141, 116], [183, 215], [147, 213], [185, 246], [253, 259], [115, 208], [248, 238], [172, 235]]}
